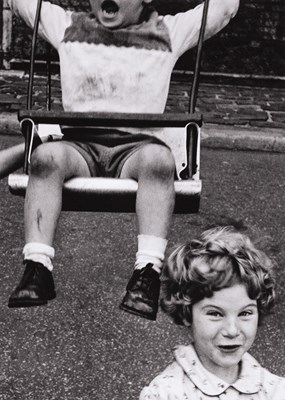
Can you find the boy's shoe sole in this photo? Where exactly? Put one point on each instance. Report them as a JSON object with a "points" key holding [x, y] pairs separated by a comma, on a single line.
{"points": [[35, 288], [28, 301], [148, 315], [142, 294]]}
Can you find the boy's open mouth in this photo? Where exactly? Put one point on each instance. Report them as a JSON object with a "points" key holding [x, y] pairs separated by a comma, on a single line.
{"points": [[109, 8]]}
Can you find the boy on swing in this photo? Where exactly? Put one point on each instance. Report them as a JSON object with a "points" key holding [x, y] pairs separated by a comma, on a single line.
{"points": [[118, 58]]}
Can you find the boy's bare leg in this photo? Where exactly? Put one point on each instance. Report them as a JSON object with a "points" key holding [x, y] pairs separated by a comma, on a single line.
{"points": [[11, 159], [51, 164], [153, 167]]}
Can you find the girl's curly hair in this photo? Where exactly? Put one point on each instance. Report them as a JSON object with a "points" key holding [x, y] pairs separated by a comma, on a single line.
{"points": [[219, 259]]}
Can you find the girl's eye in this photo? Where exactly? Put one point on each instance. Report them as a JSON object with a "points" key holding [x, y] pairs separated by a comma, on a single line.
{"points": [[214, 313], [246, 313]]}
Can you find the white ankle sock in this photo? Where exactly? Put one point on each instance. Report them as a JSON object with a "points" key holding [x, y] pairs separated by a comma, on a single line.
{"points": [[39, 252], [151, 250]]}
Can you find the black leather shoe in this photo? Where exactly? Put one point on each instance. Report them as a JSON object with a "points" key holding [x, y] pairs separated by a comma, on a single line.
{"points": [[142, 293], [35, 288]]}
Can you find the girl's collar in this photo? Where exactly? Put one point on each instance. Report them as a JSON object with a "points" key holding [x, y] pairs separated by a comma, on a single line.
{"points": [[249, 381]]}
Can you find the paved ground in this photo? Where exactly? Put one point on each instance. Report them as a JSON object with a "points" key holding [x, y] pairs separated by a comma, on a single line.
{"points": [[82, 346]]}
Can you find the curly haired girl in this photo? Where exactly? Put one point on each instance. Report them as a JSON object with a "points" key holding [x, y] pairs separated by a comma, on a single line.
{"points": [[221, 286]]}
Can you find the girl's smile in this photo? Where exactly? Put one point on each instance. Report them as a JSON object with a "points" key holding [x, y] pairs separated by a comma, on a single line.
{"points": [[229, 349], [223, 329]]}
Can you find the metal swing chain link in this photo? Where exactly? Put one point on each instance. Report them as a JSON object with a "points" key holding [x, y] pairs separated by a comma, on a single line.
{"points": [[33, 55], [195, 84]]}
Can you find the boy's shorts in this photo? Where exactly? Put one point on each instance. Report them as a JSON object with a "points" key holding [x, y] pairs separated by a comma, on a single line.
{"points": [[106, 150]]}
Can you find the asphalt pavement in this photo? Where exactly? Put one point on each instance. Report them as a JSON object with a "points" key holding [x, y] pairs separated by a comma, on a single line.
{"points": [[82, 346]]}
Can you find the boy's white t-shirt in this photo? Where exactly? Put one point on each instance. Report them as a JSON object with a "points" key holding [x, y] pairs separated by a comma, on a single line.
{"points": [[123, 70]]}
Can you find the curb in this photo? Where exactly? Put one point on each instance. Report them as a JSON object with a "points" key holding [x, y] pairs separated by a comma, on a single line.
{"points": [[212, 136], [9, 125], [243, 138]]}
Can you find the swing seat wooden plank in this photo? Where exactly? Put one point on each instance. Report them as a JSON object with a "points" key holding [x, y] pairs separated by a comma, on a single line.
{"points": [[111, 194], [110, 119]]}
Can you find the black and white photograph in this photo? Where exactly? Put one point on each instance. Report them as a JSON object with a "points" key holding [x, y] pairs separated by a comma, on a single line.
{"points": [[142, 198]]}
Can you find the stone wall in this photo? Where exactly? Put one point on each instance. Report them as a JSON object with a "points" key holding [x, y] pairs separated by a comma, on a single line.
{"points": [[253, 43]]}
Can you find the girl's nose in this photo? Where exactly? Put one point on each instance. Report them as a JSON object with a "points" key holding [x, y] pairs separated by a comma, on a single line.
{"points": [[231, 328]]}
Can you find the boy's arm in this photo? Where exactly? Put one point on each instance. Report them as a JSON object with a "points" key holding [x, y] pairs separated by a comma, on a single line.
{"points": [[184, 27], [53, 22], [11, 159]]}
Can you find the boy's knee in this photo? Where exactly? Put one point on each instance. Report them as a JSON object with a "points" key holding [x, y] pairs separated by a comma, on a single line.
{"points": [[158, 160], [44, 161]]}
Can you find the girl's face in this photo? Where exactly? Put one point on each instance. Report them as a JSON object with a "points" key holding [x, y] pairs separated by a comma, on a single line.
{"points": [[224, 328], [115, 14]]}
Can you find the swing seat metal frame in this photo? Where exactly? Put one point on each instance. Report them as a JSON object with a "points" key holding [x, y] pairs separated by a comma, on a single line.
{"points": [[116, 194]]}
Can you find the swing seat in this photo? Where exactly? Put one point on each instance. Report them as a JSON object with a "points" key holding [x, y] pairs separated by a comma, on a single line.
{"points": [[181, 132]]}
